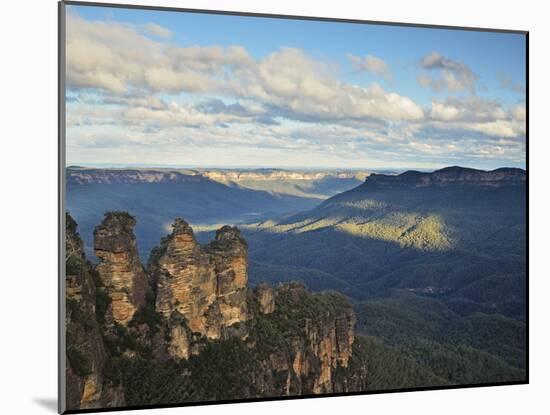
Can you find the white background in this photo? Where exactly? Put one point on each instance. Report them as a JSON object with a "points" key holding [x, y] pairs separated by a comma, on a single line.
{"points": [[28, 192]]}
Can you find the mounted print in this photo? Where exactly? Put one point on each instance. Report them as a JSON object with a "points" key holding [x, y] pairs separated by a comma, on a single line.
{"points": [[258, 207]]}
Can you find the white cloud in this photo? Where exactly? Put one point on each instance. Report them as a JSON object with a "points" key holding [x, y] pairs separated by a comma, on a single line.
{"points": [[467, 109], [454, 76], [189, 134], [116, 58], [156, 102], [157, 30], [519, 113], [295, 82], [371, 64], [481, 115], [499, 128]]}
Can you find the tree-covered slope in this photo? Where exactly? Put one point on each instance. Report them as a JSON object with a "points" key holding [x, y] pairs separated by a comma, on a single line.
{"points": [[460, 236], [457, 349]]}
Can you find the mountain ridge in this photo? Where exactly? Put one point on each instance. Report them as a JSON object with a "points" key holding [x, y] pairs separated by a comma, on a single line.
{"points": [[452, 175], [438, 238]]}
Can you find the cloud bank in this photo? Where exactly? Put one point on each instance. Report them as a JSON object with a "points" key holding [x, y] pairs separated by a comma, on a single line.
{"points": [[134, 90]]}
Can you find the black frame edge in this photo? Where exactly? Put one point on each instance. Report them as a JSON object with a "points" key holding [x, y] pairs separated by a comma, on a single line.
{"points": [[61, 381], [288, 398], [291, 17], [527, 192]]}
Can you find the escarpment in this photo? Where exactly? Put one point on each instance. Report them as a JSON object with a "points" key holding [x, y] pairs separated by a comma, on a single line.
{"points": [[120, 268], [188, 327], [451, 176]]}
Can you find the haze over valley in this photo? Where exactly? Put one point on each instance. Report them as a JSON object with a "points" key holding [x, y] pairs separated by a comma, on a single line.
{"points": [[206, 197]]}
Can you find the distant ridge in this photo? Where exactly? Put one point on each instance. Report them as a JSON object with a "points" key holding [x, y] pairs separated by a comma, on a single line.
{"points": [[310, 184], [451, 176], [110, 176]]}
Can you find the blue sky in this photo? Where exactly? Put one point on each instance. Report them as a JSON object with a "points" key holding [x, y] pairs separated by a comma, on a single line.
{"points": [[166, 88]]}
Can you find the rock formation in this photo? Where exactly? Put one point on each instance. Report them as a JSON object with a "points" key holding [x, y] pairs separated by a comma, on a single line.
{"points": [[85, 349], [321, 340], [193, 301], [266, 298], [120, 268], [206, 285]]}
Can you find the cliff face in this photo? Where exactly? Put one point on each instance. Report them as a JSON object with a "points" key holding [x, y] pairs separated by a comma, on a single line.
{"points": [[120, 268], [124, 176], [226, 176], [206, 285], [451, 176], [266, 299], [191, 318], [319, 333], [82, 175], [85, 348]]}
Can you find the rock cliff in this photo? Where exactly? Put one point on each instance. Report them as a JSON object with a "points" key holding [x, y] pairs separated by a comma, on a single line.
{"points": [[120, 269], [85, 175], [80, 176], [265, 298], [318, 330], [206, 285], [191, 318], [85, 348]]}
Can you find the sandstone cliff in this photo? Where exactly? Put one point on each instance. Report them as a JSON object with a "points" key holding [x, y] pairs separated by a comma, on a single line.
{"points": [[243, 176], [205, 285], [318, 330], [189, 329], [80, 175], [85, 175], [266, 298], [85, 348], [120, 269]]}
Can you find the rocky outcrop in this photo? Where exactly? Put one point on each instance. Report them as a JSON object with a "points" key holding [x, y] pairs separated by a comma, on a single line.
{"points": [[228, 253], [193, 300], [321, 341], [120, 269], [451, 176], [86, 355], [266, 298], [206, 285]]}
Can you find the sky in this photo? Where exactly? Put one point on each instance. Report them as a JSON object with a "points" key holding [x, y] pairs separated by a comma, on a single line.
{"points": [[182, 89]]}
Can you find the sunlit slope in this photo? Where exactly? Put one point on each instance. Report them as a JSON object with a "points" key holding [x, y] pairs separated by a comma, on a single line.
{"points": [[314, 184], [439, 237]]}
